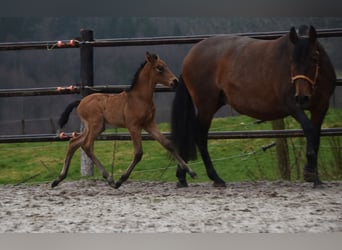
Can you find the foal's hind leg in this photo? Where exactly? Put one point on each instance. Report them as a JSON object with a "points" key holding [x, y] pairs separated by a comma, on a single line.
{"points": [[153, 130], [74, 144], [88, 147]]}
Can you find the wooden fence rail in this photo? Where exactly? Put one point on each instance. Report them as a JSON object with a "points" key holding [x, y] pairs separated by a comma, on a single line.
{"points": [[74, 43], [74, 90], [77, 90], [212, 135]]}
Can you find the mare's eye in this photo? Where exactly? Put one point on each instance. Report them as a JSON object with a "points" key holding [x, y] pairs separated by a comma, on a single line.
{"points": [[160, 69], [314, 58]]}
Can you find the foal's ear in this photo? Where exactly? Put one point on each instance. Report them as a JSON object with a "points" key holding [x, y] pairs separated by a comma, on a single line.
{"points": [[151, 58], [312, 34], [293, 35]]}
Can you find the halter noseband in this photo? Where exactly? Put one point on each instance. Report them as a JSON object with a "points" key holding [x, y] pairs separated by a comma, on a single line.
{"points": [[312, 82]]}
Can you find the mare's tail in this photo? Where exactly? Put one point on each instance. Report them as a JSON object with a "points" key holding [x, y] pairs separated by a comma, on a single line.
{"points": [[65, 115], [184, 123]]}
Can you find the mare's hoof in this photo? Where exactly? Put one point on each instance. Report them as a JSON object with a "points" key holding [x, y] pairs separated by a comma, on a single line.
{"points": [[318, 184], [54, 183], [310, 176], [219, 184], [182, 184]]}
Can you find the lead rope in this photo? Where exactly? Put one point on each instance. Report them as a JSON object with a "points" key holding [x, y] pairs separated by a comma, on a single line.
{"points": [[165, 169]]}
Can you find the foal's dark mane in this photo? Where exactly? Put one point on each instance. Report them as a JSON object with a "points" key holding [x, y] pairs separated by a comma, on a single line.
{"points": [[137, 73], [136, 76]]}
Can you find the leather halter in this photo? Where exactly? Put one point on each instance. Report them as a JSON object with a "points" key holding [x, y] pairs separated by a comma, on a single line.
{"points": [[312, 82]]}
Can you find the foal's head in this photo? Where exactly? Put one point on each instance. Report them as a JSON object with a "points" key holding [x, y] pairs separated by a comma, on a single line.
{"points": [[304, 65], [160, 72]]}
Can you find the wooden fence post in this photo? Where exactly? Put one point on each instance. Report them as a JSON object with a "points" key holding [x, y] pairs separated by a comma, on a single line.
{"points": [[87, 78], [282, 151]]}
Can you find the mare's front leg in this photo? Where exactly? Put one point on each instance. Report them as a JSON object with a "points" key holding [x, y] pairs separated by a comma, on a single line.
{"points": [[153, 130], [138, 153], [312, 133]]}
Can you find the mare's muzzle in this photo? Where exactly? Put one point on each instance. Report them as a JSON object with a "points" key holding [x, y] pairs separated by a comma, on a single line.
{"points": [[303, 94], [303, 101]]}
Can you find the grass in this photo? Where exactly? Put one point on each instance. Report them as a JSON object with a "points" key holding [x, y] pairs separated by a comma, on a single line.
{"points": [[234, 160]]}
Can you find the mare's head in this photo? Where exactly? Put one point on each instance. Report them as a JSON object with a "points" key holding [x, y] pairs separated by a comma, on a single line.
{"points": [[304, 66], [160, 72]]}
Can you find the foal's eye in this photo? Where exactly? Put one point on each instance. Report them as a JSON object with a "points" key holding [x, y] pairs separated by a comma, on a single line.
{"points": [[160, 69]]}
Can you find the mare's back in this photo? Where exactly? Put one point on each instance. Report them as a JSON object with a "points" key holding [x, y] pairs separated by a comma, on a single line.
{"points": [[232, 54]]}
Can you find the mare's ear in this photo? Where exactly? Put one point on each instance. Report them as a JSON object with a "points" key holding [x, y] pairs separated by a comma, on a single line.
{"points": [[312, 34], [293, 35], [151, 58]]}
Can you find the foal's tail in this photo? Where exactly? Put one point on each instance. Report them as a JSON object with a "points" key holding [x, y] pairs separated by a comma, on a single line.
{"points": [[183, 123], [65, 115]]}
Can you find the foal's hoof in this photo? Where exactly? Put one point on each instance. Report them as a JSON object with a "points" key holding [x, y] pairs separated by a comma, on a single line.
{"points": [[54, 183], [193, 174], [111, 182], [117, 184]]}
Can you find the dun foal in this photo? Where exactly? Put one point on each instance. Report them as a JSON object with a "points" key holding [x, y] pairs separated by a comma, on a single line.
{"points": [[132, 109]]}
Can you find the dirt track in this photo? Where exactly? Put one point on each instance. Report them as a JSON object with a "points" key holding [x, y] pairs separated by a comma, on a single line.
{"points": [[92, 206]]}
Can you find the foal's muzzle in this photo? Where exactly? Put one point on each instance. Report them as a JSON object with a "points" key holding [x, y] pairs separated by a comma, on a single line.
{"points": [[174, 83]]}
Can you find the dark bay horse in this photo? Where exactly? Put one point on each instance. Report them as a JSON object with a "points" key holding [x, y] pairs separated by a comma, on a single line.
{"points": [[133, 109], [263, 79]]}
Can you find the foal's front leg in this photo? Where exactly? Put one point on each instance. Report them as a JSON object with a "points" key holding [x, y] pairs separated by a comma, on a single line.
{"points": [[138, 153], [153, 130]]}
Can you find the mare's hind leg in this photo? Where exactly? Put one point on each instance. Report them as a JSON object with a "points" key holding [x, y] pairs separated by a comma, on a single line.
{"points": [[202, 143], [138, 153], [74, 144]]}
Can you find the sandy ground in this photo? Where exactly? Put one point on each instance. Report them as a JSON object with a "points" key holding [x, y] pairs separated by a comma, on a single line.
{"points": [[92, 206]]}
